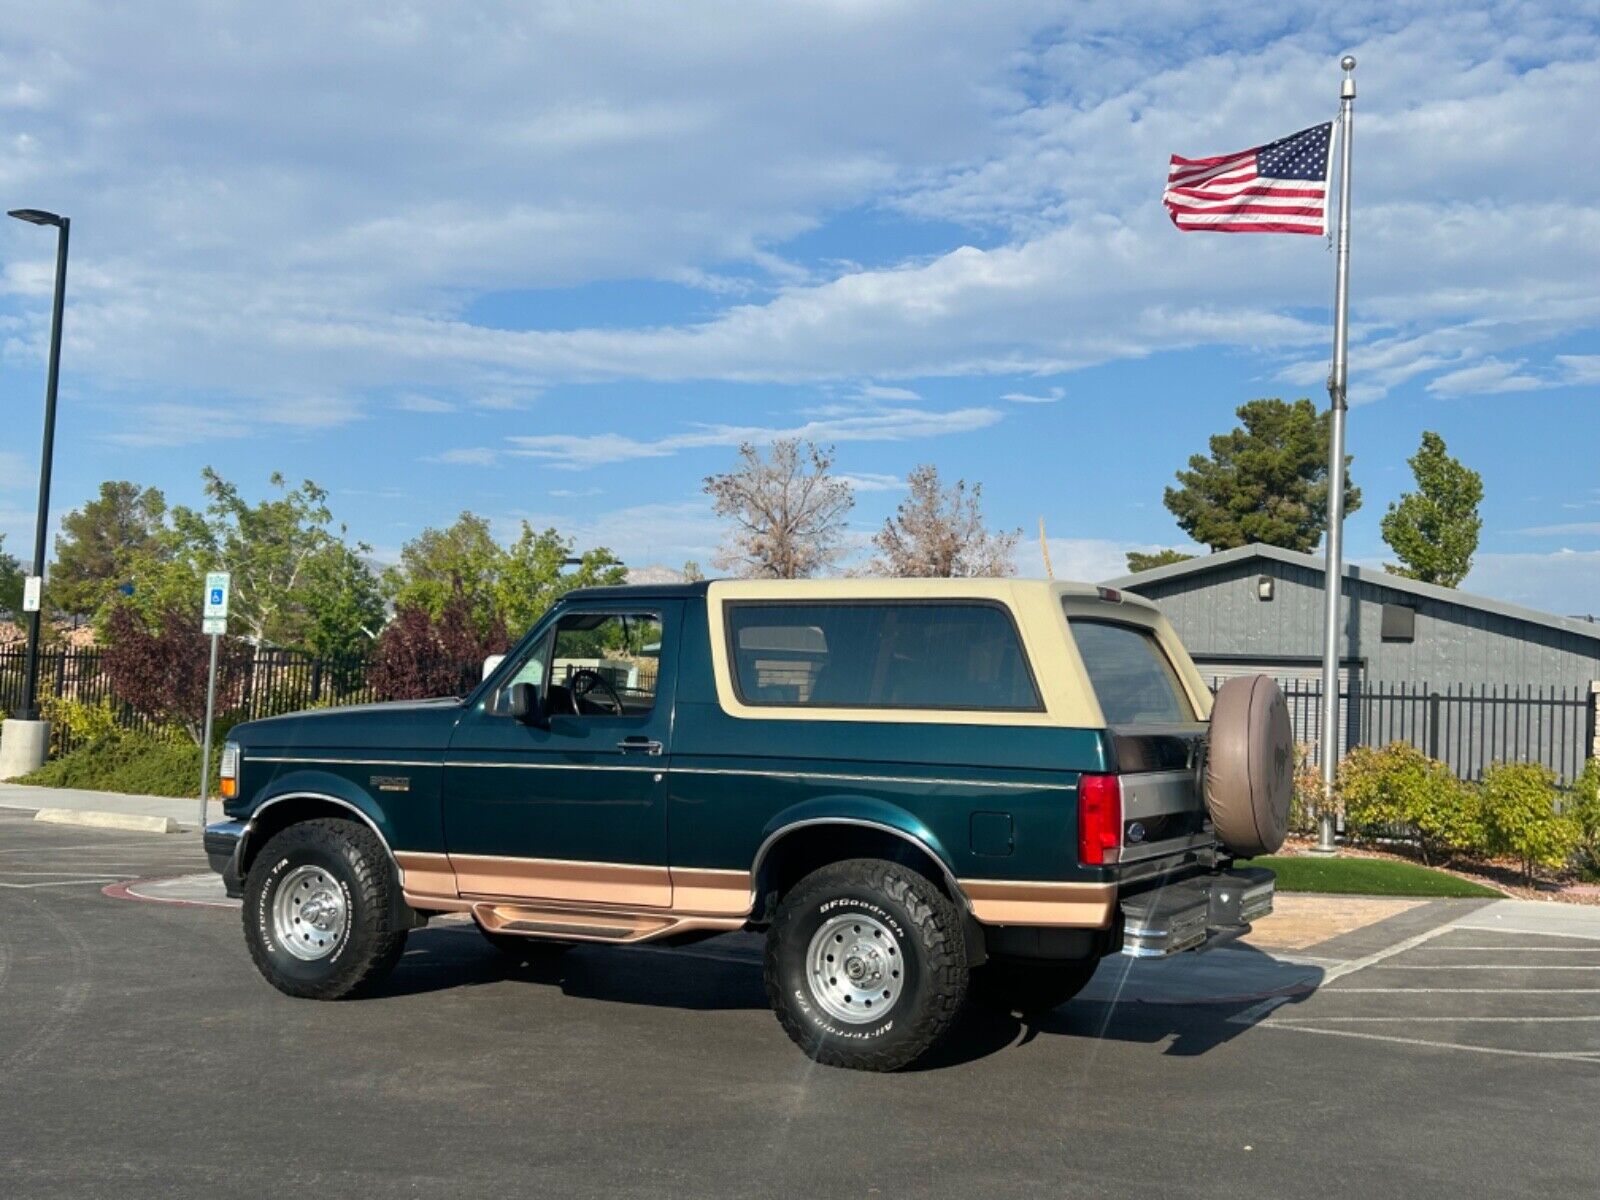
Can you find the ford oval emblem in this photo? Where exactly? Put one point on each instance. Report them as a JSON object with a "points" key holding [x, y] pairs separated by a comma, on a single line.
{"points": [[1135, 832]]}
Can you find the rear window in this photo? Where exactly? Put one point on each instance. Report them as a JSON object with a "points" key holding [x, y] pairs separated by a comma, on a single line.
{"points": [[876, 654], [1131, 674]]}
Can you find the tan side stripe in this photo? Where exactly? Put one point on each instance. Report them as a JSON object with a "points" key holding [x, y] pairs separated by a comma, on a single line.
{"points": [[712, 892], [1059, 905], [624, 884], [430, 874]]}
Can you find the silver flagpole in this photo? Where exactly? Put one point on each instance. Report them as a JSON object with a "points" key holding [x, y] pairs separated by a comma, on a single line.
{"points": [[1334, 580]]}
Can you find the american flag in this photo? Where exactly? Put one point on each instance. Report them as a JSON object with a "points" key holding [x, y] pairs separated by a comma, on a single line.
{"points": [[1281, 187]]}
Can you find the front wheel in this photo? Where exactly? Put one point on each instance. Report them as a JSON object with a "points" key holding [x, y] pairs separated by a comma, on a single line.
{"points": [[865, 965], [318, 914]]}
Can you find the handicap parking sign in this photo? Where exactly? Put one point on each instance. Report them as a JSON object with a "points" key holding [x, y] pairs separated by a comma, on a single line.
{"points": [[216, 596]]}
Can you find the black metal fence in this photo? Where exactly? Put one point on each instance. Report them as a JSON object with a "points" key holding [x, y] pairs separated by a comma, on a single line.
{"points": [[1467, 726]]}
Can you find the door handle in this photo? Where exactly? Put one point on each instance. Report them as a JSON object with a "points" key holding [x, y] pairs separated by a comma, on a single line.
{"points": [[639, 745]]}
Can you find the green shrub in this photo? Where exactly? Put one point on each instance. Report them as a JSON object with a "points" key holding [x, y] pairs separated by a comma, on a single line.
{"points": [[1401, 787], [1306, 802], [1583, 807], [132, 763], [1520, 818]]}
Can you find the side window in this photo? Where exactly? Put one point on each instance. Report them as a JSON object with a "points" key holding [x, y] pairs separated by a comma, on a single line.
{"points": [[1132, 677], [605, 664], [877, 654], [594, 664]]}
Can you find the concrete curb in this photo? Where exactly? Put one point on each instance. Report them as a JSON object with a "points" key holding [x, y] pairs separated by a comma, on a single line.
{"points": [[129, 822]]}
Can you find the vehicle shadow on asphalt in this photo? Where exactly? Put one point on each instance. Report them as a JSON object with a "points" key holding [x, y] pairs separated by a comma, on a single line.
{"points": [[1191, 1006]]}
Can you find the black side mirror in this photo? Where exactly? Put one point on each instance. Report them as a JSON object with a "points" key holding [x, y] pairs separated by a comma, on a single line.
{"points": [[523, 703]]}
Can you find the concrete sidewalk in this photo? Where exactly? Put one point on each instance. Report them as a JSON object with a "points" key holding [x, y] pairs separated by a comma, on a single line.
{"points": [[184, 811]]}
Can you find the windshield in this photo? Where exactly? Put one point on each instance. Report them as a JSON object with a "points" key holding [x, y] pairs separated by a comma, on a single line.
{"points": [[1132, 677]]}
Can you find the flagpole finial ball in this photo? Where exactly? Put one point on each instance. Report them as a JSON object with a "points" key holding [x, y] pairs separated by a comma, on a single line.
{"points": [[1348, 62]]}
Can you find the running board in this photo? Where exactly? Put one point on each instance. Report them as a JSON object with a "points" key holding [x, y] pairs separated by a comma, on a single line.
{"points": [[590, 925]]}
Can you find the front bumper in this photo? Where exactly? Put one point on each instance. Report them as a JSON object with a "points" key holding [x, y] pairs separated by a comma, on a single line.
{"points": [[1197, 913], [223, 840]]}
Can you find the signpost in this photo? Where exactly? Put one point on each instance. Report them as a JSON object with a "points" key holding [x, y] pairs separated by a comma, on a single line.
{"points": [[213, 621]]}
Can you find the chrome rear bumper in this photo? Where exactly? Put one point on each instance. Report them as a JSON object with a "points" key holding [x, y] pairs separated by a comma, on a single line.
{"points": [[1196, 913]]}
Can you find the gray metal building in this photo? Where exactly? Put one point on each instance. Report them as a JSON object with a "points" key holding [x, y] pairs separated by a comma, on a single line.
{"points": [[1465, 677]]}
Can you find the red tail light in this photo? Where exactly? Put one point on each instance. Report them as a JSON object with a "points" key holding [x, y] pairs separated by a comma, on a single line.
{"points": [[1099, 818]]}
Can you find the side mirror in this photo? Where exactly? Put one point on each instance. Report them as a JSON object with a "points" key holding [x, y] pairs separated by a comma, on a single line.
{"points": [[523, 703]]}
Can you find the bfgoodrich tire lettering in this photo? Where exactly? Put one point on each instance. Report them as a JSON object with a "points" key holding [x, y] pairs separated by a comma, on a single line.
{"points": [[905, 925], [341, 867]]}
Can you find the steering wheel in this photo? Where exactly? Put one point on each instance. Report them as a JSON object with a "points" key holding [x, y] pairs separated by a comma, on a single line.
{"points": [[582, 682]]}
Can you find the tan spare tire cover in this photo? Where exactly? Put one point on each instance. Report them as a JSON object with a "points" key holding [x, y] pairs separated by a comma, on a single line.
{"points": [[1250, 766]]}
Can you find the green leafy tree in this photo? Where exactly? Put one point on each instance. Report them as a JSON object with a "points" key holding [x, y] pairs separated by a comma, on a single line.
{"points": [[1138, 560], [1264, 481], [500, 587], [342, 601], [436, 564], [1434, 530], [270, 548], [103, 546], [1583, 806], [10, 581]]}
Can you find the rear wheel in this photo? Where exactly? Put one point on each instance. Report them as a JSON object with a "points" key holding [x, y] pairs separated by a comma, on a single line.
{"points": [[865, 965], [318, 910], [1031, 987]]}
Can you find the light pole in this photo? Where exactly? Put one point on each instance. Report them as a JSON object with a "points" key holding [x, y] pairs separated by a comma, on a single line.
{"points": [[30, 685]]}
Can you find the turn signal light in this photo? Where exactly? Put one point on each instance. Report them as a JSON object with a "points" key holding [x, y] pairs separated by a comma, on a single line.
{"points": [[229, 788], [1099, 819]]}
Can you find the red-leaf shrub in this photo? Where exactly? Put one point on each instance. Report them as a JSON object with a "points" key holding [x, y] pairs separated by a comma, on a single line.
{"points": [[161, 673], [417, 658]]}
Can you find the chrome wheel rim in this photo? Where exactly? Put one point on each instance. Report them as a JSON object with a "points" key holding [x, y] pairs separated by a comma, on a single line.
{"points": [[309, 913], [854, 968]]}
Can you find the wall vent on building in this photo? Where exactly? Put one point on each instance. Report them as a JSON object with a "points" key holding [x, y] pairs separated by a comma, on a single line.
{"points": [[1399, 623]]}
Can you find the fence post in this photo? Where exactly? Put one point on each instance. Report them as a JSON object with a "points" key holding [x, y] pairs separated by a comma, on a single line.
{"points": [[316, 681], [61, 672], [1594, 719], [1435, 709]]}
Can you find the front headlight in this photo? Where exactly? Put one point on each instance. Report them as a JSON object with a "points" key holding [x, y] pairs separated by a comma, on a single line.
{"points": [[228, 773]]}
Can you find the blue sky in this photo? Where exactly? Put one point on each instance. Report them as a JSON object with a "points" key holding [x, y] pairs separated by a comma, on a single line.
{"points": [[555, 261]]}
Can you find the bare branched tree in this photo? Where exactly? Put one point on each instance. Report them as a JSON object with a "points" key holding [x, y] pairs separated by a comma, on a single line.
{"points": [[786, 511], [941, 534]]}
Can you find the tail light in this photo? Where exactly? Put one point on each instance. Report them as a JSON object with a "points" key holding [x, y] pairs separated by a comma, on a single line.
{"points": [[1099, 819]]}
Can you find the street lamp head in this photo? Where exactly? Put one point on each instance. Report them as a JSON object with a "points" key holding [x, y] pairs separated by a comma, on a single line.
{"points": [[35, 216]]}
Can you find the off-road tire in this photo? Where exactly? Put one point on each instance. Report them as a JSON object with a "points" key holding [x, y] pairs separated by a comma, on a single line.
{"points": [[1031, 987], [929, 948], [370, 943], [524, 949]]}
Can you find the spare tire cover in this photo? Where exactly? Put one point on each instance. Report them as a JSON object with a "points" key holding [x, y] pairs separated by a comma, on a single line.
{"points": [[1249, 777]]}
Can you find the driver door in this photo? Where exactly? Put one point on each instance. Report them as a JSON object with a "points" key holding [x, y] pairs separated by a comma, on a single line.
{"points": [[573, 809]]}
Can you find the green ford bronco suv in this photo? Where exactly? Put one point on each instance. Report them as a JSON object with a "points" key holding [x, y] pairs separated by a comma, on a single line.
{"points": [[921, 790]]}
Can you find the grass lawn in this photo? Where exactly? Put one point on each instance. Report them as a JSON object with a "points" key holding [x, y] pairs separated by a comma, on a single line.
{"points": [[1365, 877]]}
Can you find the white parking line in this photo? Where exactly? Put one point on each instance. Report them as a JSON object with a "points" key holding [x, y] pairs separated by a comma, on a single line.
{"points": [[66, 882], [1528, 949], [1486, 967], [1439, 1020], [1547, 1055], [1467, 991]]}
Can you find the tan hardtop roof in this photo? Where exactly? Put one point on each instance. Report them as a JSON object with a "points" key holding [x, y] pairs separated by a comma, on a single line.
{"points": [[910, 589]]}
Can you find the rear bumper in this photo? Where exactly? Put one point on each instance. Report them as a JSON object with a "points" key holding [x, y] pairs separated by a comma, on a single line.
{"points": [[1196, 913], [223, 841]]}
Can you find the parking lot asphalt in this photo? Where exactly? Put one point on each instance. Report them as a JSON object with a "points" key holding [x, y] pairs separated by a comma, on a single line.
{"points": [[1451, 1050]]}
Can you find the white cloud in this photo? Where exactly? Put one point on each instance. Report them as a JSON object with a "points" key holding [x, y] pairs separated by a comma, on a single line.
{"points": [[638, 534], [1565, 582], [1565, 530], [1579, 368], [1049, 397], [250, 209], [423, 404], [1083, 560], [577, 451], [1489, 377], [866, 481], [468, 456], [878, 391], [173, 423]]}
